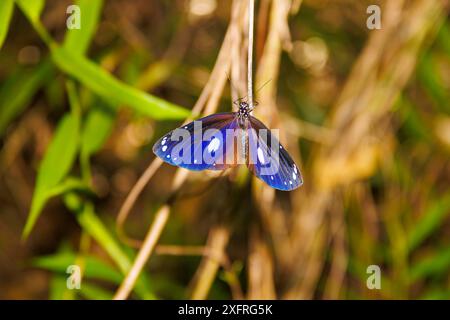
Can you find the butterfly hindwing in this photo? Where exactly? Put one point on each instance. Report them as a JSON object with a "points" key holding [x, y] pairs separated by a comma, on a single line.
{"points": [[184, 147], [268, 160]]}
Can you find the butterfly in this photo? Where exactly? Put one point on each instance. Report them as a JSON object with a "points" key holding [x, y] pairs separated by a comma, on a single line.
{"points": [[223, 140]]}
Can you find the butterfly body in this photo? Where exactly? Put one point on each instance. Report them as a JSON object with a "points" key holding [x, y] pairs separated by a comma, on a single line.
{"points": [[223, 140]]}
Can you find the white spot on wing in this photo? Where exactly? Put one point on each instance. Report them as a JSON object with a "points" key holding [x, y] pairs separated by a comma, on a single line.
{"points": [[164, 148], [261, 156], [294, 176], [213, 145]]}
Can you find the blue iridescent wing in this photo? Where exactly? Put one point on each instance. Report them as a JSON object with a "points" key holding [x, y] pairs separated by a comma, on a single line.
{"points": [[268, 160], [184, 147]]}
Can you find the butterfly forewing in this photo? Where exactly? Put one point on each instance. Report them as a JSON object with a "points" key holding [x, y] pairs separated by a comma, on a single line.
{"points": [[201, 144], [268, 160]]}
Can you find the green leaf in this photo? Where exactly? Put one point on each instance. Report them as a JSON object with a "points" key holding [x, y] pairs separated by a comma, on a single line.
{"points": [[69, 184], [17, 91], [31, 8], [98, 80], [98, 126], [58, 288], [93, 292], [57, 162], [96, 130], [93, 268], [413, 121], [430, 221], [61, 153], [113, 90], [94, 226], [6, 10], [429, 76], [435, 265], [436, 294], [78, 40], [444, 37], [91, 223]]}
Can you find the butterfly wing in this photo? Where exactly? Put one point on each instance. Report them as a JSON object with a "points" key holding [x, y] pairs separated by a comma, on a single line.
{"points": [[268, 160], [184, 146]]}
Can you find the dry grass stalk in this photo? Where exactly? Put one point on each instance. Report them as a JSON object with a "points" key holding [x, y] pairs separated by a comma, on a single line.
{"points": [[260, 269], [358, 120], [206, 273], [210, 96], [149, 243], [268, 68]]}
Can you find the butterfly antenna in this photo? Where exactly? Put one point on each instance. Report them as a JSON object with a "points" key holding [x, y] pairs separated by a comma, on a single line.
{"points": [[263, 85], [255, 103], [231, 83], [235, 89]]}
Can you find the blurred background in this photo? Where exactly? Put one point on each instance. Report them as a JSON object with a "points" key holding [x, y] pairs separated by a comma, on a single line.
{"points": [[364, 113]]}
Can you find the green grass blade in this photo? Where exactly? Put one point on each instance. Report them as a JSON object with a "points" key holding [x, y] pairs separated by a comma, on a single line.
{"points": [[58, 288], [60, 154], [92, 224], [435, 265], [413, 122], [93, 292], [78, 40], [101, 82], [6, 10], [444, 37], [16, 93], [431, 220], [98, 125], [57, 162], [436, 294], [428, 73], [97, 128], [31, 8], [113, 90], [93, 268]]}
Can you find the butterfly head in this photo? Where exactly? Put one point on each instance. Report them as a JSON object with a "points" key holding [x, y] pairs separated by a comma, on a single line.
{"points": [[244, 110]]}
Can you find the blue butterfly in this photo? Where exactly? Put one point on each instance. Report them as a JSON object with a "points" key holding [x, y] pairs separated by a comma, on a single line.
{"points": [[224, 140]]}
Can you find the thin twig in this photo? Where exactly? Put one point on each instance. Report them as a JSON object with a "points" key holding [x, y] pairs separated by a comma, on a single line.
{"points": [[251, 14], [149, 243], [132, 197], [230, 274], [206, 273], [209, 266]]}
